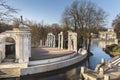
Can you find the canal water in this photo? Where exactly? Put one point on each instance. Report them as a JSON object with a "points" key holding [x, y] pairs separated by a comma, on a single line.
{"points": [[72, 72], [98, 53]]}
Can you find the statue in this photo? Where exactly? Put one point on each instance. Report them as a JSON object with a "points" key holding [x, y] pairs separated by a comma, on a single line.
{"points": [[22, 26]]}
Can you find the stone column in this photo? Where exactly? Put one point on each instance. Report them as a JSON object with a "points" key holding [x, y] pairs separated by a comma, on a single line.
{"points": [[102, 61], [54, 41], [59, 41], [17, 48], [106, 77], [3, 50], [62, 40], [69, 42], [75, 42], [101, 73], [29, 45], [82, 69], [25, 56]]}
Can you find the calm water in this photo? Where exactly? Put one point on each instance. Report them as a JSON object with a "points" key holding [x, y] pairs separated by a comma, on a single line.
{"points": [[72, 72], [96, 49]]}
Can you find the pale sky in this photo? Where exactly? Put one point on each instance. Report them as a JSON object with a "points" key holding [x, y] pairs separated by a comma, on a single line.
{"points": [[50, 11]]}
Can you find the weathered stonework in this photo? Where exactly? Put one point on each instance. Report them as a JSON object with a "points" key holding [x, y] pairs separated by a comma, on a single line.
{"points": [[60, 40], [50, 42], [109, 35], [22, 38], [72, 41]]}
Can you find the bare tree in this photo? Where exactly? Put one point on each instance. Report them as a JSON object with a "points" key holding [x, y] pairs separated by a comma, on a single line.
{"points": [[6, 11], [116, 23], [83, 16]]}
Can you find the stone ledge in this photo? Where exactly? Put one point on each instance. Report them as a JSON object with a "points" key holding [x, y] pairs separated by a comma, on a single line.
{"points": [[52, 66]]}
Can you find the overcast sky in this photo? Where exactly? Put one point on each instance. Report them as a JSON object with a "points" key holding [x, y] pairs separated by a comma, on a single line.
{"points": [[50, 11]]}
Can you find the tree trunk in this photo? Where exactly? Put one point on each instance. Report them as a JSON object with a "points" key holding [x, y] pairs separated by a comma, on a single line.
{"points": [[89, 43]]}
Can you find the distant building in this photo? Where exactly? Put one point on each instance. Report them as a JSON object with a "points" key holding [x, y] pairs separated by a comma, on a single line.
{"points": [[108, 37]]}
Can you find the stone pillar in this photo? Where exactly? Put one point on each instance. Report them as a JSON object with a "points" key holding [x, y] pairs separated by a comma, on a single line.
{"points": [[29, 43], [106, 77], [75, 42], [17, 48], [58, 41], [54, 41], [101, 72], [82, 69], [102, 61], [62, 40]]}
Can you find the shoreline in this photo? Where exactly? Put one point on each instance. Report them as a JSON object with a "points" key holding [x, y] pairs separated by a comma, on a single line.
{"points": [[112, 54]]}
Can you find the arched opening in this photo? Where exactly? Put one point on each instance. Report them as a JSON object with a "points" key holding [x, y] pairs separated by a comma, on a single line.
{"points": [[10, 48]]}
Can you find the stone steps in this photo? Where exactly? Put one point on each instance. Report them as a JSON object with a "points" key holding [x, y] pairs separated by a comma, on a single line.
{"points": [[8, 60], [116, 61], [114, 58]]}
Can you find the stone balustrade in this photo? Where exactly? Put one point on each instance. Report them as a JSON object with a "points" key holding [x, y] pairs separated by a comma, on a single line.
{"points": [[54, 65]]}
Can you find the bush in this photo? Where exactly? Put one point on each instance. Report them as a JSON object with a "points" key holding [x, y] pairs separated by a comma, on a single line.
{"points": [[110, 47], [116, 49]]}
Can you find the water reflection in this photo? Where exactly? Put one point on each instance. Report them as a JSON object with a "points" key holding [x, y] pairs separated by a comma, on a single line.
{"points": [[97, 50], [103, 43]]}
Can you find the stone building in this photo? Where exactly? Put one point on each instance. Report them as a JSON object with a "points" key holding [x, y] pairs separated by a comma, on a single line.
{"points": [[15, 45], [108, 35]]}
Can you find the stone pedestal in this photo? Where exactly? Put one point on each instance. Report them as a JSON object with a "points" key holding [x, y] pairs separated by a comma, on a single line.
{"points": [[60, 40]]}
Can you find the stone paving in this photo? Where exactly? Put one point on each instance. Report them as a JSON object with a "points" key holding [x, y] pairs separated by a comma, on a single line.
{"points": [[47, 53]]}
